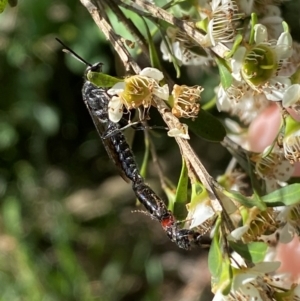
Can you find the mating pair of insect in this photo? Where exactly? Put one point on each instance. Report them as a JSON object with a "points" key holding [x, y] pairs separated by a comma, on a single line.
{"points": [[96, 100]]}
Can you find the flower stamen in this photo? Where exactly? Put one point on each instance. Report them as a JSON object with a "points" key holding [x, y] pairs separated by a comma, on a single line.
{"points": [[136, 91], [185, 101]]}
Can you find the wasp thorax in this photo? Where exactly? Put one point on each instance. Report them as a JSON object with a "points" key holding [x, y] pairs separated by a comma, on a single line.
{"points": [[259, 65]]}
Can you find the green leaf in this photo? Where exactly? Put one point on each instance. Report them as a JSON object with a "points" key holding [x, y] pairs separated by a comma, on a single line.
{"points": [[182, 193], [253, 23], [199, 193], [237, 41], [203, 24], [246, 201], [170, 193], [143, 169], [219, 265], [102, 80], [207, 127], [291, 125], [3, 4], [285, 196], [254, 252], [154, 58], [285, 27], [223, 283], [226, 277], [225, 75], [215, 258]]}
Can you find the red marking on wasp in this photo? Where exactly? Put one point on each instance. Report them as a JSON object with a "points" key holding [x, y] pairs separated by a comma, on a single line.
{"points": [[167, 222]]}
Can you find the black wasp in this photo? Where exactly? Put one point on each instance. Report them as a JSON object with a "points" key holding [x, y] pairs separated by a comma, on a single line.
{"points": [[96, 100]]}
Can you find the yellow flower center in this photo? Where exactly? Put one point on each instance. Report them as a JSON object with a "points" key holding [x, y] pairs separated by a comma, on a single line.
{"points": [[137, 92], [259, 65]]}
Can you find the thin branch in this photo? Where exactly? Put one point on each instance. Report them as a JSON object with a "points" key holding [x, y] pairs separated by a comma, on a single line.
{"points": [[116, 40], [188, 153], [139, 38], [182, 25]]}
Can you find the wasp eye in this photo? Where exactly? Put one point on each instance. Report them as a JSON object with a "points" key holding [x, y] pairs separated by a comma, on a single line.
{"points": [[97, 67]]}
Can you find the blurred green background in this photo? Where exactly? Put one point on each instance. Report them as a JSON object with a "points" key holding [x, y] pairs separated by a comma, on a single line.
{"points": [[67, 231]]}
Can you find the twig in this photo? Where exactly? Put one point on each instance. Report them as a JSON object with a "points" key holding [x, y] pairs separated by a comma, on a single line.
{"points": [[189, 154], [184, 26], [139, 38], [116, 40]]}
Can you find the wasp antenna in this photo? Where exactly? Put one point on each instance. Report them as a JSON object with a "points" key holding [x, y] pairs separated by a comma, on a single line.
{"points": [[73, 53]]}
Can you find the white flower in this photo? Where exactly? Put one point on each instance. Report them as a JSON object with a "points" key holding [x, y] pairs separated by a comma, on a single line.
{"points": [[274, 168], [291, 146], [237, 233], [242, 101], [291, 140], [260, 34], [152, 73], [222, 22], [237, 63], [291, 97], [200, 214], [249, 284], [180, 46], [255, 70], [289, 217], [256, 225], [276, 88], [201, 210], [115, 107], [284, 48], [180, 131], [135, 91], [259, 66]]}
